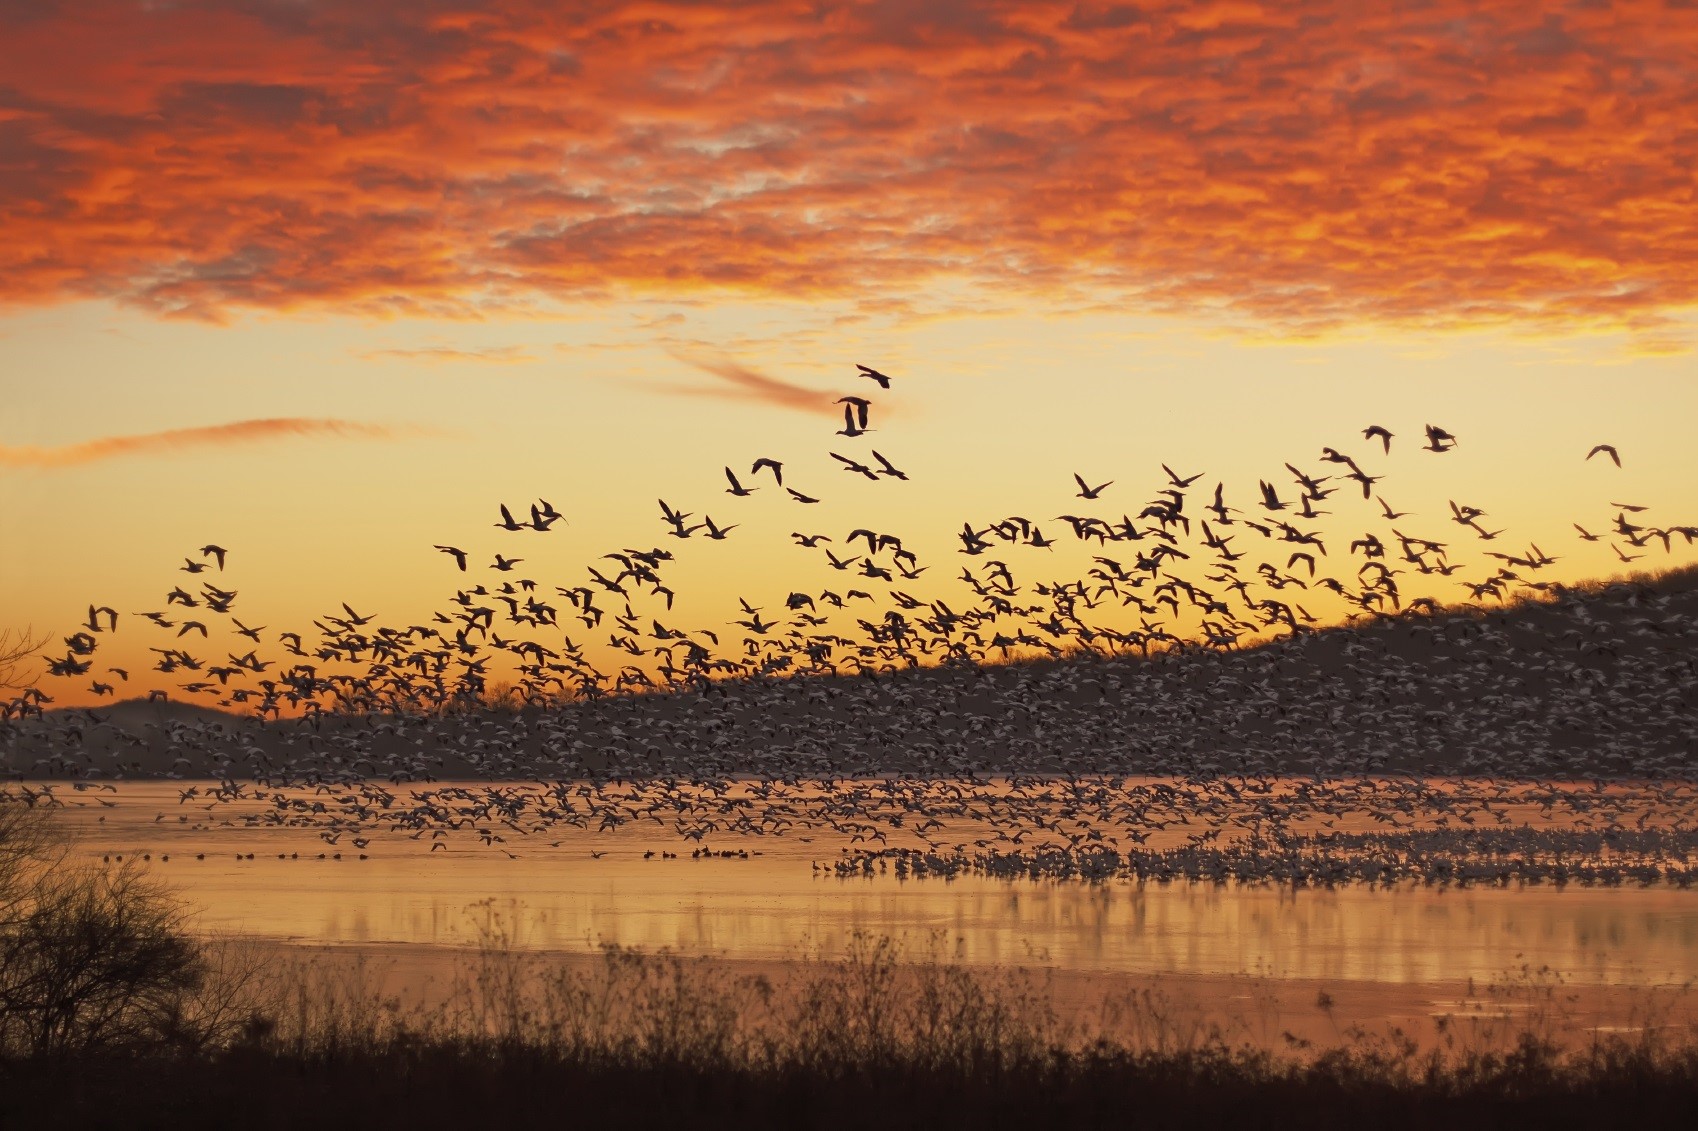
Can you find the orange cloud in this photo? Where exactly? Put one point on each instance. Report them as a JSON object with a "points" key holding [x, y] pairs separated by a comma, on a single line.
{"points": [[743, 383], [500, 355], [1303, 164], [178, 439]]}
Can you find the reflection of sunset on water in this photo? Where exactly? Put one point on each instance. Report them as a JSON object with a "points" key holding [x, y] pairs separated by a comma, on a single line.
{"points": [[573, 889]]}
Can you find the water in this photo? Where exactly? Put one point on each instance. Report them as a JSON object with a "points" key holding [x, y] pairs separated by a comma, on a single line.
{"points": [[768, 902]]}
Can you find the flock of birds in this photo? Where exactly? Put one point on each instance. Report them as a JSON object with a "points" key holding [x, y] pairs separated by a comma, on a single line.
{"points": [[865, 710]]}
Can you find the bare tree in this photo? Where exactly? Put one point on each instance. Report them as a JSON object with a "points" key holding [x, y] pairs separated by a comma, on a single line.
{"points": [[16, 648], [98, 959]]}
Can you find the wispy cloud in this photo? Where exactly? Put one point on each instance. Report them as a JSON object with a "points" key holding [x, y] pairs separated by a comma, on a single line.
{"points": [[497, 355], [236, 433], [745, 384], [1302, 164]]}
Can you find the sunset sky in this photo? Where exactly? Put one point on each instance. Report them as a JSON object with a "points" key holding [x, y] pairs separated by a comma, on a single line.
{"points": [[325, 282]]}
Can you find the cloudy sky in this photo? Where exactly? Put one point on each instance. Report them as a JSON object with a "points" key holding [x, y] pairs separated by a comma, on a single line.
{"points": [[325, 282]]}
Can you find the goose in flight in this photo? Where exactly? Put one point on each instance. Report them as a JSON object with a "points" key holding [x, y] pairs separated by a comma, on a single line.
{"points": [[850, 428], [801, 498], [458, 554], [860, 405], [507, 521], [676, 520], [852, 465], [1438, 440], [1607, 449], [737, 488], [1374, 430], [1086, 491], [775, 465], [866, 371], [209, 550], [544, 516], [1179, 481], [889, 468], [355, 618]]}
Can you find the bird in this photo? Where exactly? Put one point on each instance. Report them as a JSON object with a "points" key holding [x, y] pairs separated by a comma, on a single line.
{"points": [[776, 467], [1607, 449], [1374, 430], [543, 515], [888, 468], [210, 550], [860, 405], [1086, 491], [882, 379], [1438, 440], [737, 488], [459, 556], [855, 466], [507, 521], [800, 497], [850, 427]]}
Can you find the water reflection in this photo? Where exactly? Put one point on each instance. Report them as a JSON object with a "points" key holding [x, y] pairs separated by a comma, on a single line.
{"points": [[773, 905]]}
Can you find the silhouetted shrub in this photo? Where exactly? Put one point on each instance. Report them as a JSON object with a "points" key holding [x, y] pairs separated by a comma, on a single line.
{"points": [[96, 958]]}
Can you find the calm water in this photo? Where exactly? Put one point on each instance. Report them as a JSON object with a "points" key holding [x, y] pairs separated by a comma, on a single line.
{"points": [[774, 905]]}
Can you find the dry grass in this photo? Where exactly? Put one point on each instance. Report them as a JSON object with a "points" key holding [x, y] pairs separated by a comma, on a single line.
{"points": [[882, 1033]]}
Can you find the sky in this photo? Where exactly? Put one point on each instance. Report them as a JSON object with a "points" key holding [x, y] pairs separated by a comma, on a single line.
{"points": [[324, 283]]}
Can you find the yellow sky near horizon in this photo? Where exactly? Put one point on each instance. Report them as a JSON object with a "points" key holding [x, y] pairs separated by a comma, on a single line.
{"points": [[989, 415]]}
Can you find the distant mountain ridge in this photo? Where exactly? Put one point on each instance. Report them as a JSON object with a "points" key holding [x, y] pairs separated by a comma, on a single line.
{"points": [[1595, 680]]}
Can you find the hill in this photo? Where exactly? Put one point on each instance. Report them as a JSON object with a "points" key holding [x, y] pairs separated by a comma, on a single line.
{"points": [[1599, 681]]}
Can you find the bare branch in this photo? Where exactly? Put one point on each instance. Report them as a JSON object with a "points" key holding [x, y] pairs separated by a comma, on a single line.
{"points": [[17, 646]]}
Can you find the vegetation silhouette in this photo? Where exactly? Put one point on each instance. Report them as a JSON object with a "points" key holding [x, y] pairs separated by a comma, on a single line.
{"points": [[97, 959], [878, 1032]]}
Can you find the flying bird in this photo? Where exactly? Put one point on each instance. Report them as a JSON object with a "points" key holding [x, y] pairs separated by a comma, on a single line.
{"points": [[1374, 430], [1086, 491], [544, 516], [1607, 449], [850, 428], [860, 405], [775, 465], [853, 465], [882, 379], [458, 554], [889, 468], [1438, 440]]}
